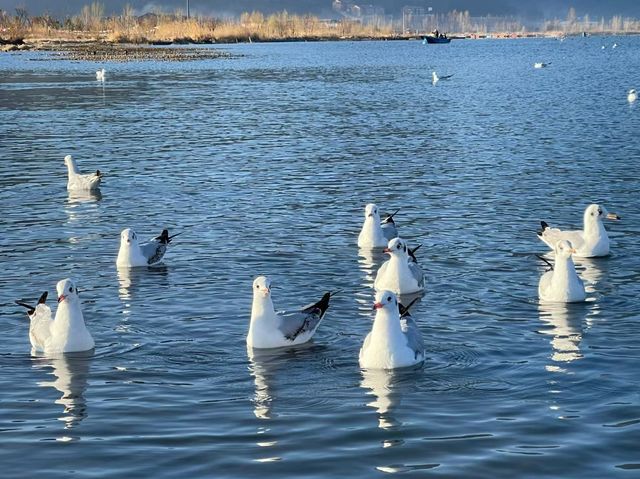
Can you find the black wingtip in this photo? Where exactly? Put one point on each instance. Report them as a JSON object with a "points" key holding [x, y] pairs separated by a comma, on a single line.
{"points": [[30, 309], [404, 310], [99, 173], [544, 226], [413, 251], [389, 217], [164, 237], [43, 297], [322, 305], [546, 261]]}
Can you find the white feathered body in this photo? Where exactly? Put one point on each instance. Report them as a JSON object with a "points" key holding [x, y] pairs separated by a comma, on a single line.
{"points": [[133, 254], [67, 333], [372, 234], [79, 182], [400, 276], [130, 256], [387, 345], [265, 328], [562, 284], [591, 242]]}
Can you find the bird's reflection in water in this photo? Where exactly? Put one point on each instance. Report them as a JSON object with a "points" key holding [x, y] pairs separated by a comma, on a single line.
{"points": [[369, 261], [262, 372], [264, 365], [591, 270], [77, 201], [133, 279], [382, 385], [70, 372], [566, 331]]}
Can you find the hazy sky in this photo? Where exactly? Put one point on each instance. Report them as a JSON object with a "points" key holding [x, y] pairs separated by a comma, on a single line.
{"points": [[530, 9]]}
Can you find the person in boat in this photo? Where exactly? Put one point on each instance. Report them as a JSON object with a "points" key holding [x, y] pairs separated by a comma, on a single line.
{"points": [[436, 33]]}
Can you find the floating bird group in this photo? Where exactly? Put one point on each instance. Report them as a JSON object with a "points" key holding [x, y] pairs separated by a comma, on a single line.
{"points": [[395, 339], [562, 283]]}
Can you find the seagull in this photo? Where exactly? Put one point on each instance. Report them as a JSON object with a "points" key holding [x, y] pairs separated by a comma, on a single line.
{"points": [[78, 181], [615, 45], [603, 47], [632, 96], [400, 274], [67, 332], [376, 233], [395, 340], [541, 65], [100, 74], [592, 241], [561, 283], [271, 329], [435, 78], [132, 254]]}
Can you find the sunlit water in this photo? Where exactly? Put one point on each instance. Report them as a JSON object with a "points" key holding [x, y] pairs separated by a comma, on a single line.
{"points": [[265, 163]]}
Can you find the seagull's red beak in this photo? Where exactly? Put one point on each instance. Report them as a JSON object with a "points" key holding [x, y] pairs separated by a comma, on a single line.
{"points": [[61, 298], [386, 250], [377, 305]]}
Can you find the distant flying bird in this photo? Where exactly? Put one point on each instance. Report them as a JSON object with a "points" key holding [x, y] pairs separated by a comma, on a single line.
{"points": [[101, 75], [541, 65], [632, 96], [435, 78]]}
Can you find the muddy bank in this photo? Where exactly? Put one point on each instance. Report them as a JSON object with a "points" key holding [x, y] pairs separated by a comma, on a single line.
{"points": [[114, 52]]}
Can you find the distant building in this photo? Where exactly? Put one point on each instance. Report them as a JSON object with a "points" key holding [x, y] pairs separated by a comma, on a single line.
{"points": [[367, 14]]}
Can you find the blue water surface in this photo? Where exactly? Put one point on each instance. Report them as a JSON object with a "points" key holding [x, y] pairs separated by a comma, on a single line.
{"points": [[265, 162]]}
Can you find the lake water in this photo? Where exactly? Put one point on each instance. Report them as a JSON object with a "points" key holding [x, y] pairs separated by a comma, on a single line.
{"points": [[265, 162]]}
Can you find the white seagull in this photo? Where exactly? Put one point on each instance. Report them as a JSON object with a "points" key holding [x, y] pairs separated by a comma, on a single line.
{"points": [[133, 254], [632, 95], [271, 329], [67, 332], [541, 65], [401, 273], [435, 78], [562, 284], [78, 181], [376, 233], [590, 242], [395, 340], [101, 74]]}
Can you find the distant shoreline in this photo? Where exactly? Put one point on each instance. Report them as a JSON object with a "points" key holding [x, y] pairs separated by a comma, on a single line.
{"points": [[90, 48]]}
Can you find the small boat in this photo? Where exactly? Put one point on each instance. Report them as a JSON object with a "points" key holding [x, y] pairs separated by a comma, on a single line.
{"points": [[432, 39]]}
